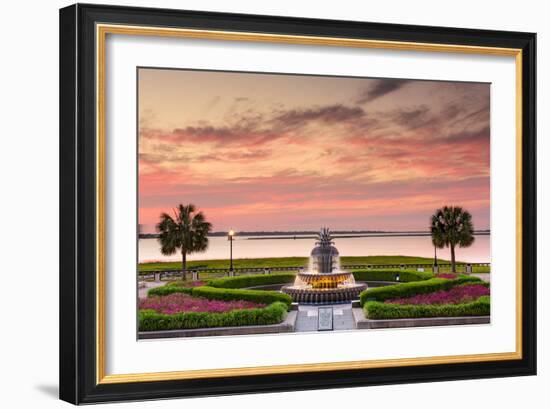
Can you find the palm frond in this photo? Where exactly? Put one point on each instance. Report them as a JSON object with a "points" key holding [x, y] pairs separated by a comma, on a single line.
{"points": [[186, 230], [451, 225]]}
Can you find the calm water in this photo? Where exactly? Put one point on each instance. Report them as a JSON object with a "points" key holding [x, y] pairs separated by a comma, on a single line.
{"points": [[244, 247]]}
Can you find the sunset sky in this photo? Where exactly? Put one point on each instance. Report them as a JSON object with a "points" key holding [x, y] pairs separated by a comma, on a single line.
{"points": [[262, 152]]}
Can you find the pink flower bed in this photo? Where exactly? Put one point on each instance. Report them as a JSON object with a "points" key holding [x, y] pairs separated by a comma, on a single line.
{"points": [[178, 302], [455, 295]]}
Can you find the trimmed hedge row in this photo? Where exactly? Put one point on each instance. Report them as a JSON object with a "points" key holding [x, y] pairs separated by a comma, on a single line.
{"points": [[169, 288], [184, 283], [224, 294], [376, 310], [405, 276], [413, 288], [252, 280], [150, 320], [229, 294]]}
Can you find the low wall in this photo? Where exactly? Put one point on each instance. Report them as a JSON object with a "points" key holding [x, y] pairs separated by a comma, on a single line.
{"points": [[361, 322], [286, 326]]}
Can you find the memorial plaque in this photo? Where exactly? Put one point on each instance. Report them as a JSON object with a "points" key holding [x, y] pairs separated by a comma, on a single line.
{"points": [[325, 319]]}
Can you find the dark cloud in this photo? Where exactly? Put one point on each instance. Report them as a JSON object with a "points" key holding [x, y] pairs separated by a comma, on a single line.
{"points": [[380, 88], [450, 116], [239, 135], [236, 156], [250, 131], [481, 114], [326, 114], [253, 129], [469, 135], [411, 118], [451, 111], [206, 131]]}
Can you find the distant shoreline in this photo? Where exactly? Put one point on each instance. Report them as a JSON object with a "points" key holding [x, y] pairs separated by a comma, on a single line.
{"points": [[280, 235]]}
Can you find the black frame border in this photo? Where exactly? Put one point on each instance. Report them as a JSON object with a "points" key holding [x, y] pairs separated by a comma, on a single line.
{"points": [[78, 197]]}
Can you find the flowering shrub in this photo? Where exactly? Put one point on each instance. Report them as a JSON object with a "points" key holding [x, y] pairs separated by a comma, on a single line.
{"points": [[179, 302], [449, 276], [456, 295], [376, 310], [404, 290], [150, 320]]}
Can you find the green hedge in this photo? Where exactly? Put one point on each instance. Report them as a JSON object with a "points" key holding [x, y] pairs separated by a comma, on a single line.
{"points": [[178, 283], [150, 320], [376, 310], [252, 280], [229, 294], [413, 288], [169, 288], [405, 276], [224, 294]]}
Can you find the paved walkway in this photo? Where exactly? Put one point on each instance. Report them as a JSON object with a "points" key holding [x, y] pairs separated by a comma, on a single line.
{"points": [[142, 292], [308, 317], [483, 276]]}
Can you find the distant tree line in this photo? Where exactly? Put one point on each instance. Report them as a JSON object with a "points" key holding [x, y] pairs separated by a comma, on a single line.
{"points": [[304, 232]]}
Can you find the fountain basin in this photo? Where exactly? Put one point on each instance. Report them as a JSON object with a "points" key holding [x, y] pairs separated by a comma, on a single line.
{"points": [[331, 280], [309, 295]]}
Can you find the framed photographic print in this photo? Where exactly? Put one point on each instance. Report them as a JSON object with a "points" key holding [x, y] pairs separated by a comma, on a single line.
{"points": [[257, 203]]}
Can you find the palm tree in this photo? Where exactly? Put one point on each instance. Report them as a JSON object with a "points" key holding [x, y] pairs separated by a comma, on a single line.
{"points": [[187, 231], [452, 226]]}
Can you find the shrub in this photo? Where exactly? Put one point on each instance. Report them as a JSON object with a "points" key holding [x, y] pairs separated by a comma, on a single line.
{"points": [[169, 289], [252, 280], [229, 294], [405, 276], [182, 283], [376, 310], [225, 294], [150, 320], [456, 295], [450, 276], [178, 302], [413, 288]]}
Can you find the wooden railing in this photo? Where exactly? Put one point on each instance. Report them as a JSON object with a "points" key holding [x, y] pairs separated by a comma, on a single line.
{"points": [[194, 274]]}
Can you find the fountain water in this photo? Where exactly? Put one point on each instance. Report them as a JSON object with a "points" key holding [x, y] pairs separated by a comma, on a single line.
{"points": [[324, 282]]}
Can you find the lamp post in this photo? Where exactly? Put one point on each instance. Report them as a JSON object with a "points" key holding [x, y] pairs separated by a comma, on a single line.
{"points": [[230, 238]]}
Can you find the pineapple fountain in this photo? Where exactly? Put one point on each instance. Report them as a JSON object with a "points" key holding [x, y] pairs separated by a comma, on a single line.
{"points": [[324, 283]]}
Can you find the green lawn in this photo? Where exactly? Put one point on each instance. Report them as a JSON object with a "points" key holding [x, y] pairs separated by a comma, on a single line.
{"points": [[283, 262], [237, 263], [387, 260]]}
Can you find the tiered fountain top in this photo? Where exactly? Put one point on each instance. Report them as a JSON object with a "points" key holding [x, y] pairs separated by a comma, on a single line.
{"points": [[324, 256]]}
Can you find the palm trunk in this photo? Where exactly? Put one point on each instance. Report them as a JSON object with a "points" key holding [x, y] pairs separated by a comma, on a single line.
{"points": [[183, 261], [453, 265]]}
